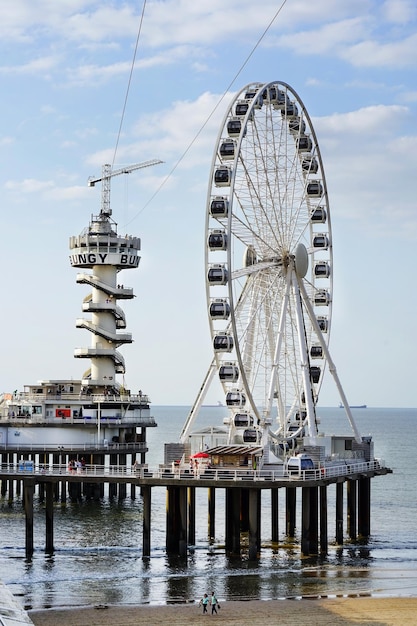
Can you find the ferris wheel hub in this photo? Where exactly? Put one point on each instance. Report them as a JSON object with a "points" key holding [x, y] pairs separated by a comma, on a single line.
{"points": [[301, 260]]}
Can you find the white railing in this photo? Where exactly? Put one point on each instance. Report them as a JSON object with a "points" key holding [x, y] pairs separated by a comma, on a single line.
{"points": [[78, 421], [36, 398], [53, 448], [182, 473]]}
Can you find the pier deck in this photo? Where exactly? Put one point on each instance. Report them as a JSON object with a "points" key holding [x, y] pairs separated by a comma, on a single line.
{"points": [[164, 476], [243, 487]]}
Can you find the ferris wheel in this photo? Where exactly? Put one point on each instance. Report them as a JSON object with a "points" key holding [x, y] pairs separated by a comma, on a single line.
{"points": [[268, 264], [268, 271]]}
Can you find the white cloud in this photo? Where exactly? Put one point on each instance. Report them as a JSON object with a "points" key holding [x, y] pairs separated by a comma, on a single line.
{"points": [[28, 185], [371, 53], [35, 66], [93, 74], [169, 133], [370, 169], [326, 38], [365, 120], [47, 189], [409, 96], [26, 21], [399, 11], [75, 192], [186, 32]]}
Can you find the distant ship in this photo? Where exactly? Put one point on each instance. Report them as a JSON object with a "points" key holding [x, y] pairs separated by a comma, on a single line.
{"points": [[219, 403], [354, 406]]}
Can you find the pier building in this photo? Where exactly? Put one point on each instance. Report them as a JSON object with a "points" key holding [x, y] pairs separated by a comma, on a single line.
{"points": [[96, 419]]}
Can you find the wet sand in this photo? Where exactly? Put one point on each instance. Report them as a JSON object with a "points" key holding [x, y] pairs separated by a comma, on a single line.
{"points": [[344, 611]]}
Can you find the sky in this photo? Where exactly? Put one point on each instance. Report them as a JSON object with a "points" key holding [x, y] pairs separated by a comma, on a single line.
{"points": [[85, 83]]}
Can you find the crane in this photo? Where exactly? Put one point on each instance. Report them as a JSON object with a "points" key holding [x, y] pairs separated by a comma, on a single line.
{"points": [[107, 173]]}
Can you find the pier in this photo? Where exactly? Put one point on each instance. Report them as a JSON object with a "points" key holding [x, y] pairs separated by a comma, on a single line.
{"points": [[269, 292], [243, 491]]}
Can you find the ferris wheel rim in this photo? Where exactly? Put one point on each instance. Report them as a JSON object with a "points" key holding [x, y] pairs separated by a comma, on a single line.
{"points": [[241, 231]]}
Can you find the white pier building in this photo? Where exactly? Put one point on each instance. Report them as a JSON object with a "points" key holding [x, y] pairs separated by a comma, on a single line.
{"points": [[96, 415]]}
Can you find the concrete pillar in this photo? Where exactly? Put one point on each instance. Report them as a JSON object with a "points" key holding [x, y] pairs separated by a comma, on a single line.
{"points": [[211, 512], [314, 520], [74, 490], [122, 486], [132, 491], [191, 515], [232, 523], [146, 534], [244, 510], [95, 490], [176, 527], [364, 507], [10, 483], [254, 499], [10, 490], [324, 543], [56, 460], [305, 521], [339, 513], [49, 518], [290, 510], [183, 522], [274, 516], [64, 487], [351, 509], [28, 491], [171, 540], [113, 460]]}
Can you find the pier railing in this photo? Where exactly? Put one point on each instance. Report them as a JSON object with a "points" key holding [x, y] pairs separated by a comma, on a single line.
{"points": [[23, 467], [75, 448], [142, 418]]}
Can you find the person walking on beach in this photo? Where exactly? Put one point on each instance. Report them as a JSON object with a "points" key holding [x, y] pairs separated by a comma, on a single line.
{"points": [[213, 603], [204, 601]]}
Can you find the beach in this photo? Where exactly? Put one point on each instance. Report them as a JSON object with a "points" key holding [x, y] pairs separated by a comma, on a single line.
{"points": [[343, 611]]}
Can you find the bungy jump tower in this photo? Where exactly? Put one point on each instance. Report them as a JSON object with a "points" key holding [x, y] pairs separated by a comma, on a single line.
{"points": [[102, 251], [95, 419]]}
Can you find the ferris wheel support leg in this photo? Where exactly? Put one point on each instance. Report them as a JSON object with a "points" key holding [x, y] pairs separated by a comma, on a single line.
{"points": [[198, 402], [278, 347], [247, 357], [332, 367], [305, 369]]}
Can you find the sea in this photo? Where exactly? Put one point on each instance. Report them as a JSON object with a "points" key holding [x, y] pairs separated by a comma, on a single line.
{"points": [[98, 544]]}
